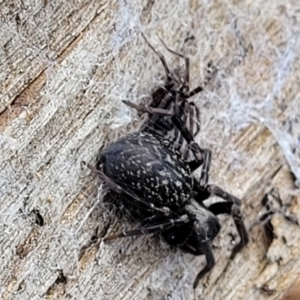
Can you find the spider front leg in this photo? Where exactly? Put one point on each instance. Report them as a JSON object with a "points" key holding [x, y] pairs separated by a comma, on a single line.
{"points": [[148, 109], [150, 229], [210, 262], [197, 244], [186, 78], [211, 70], [184, 90], [232, 206], [161, 107], [162, 59]]}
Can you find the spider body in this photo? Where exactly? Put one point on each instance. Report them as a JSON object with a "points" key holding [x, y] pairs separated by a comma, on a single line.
{"points": [[154, 174], [154, 181], [147, 165]]}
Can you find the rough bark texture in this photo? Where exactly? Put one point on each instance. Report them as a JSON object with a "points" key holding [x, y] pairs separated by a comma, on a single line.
{"points": [[65, 66]]}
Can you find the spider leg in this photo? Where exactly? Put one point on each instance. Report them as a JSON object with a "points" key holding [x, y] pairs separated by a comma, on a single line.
{"points": [[166, 124], [202, 156], [219, 208], [194, 164], [211, 72], [162, 59], [149, 109], [232, 206], [149, 229], [205, 168], [155, 113], [184, 89], [158, 96], [210, 262], [187, 135], [177, 138], [205, 162], [199, 247], [186, 78], [120, 190], [188, 110], [194, 119], [153, 118]]}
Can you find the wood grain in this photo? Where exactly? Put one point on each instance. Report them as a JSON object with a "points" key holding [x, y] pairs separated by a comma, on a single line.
{"points": [[64, 69]]}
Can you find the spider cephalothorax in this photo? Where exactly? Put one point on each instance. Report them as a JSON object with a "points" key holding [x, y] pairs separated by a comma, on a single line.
{"points": [[155, 179]]}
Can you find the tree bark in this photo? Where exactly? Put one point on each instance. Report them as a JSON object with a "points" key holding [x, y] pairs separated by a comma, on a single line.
{"points": [[66, 66]]}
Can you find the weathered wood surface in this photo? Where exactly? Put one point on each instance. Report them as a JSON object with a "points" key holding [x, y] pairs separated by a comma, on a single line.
{"points": [[65, 66]]}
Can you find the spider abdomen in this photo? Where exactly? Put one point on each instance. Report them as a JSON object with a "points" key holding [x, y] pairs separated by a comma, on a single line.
{"points": [[149, 167]]}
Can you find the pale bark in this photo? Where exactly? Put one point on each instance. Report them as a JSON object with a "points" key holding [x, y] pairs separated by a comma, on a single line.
{"points": [[66, 66]]}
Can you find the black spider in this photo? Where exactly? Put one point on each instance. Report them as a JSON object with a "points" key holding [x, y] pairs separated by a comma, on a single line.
{"points": [[153, 180]]}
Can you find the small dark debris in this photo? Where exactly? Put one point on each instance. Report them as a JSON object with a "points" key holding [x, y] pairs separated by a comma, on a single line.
{"points": [[61, 278], [264, 289], [39, 220]]}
